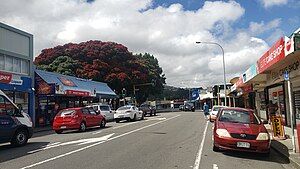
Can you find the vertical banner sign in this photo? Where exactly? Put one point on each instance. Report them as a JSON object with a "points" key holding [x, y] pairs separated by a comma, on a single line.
{"points": [[278, 130], [272, 56]]}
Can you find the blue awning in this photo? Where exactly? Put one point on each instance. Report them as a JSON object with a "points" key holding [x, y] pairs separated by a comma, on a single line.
{"points": [[71, 83]]}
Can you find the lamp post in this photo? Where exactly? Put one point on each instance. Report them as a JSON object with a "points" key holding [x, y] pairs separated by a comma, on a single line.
{"points": [[224, 72]]}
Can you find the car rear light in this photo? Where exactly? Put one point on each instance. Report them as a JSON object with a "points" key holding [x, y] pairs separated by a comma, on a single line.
{"points": [[223, 133], [263, 136], [128, 111]]}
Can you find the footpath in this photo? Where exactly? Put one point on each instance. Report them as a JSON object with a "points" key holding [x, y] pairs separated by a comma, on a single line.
{"points": [[285, 147]]}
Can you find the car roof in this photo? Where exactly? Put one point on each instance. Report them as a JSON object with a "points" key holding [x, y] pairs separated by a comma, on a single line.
{"points": [[73, 108]]}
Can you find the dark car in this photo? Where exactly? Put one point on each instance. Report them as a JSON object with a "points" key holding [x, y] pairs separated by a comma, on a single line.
{"points": [[148, 110], [187, 107], [241, 130]]}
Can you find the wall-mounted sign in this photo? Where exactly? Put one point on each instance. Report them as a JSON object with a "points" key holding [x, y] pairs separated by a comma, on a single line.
{"points": [[77, 93], [250, 73], [272, 56], [5, 77], [289, 45], [67, 82]]}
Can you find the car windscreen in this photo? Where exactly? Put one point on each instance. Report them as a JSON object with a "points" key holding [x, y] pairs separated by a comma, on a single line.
{"points": [[104, 108], [66, 113], [124, 108], [236, 116]]}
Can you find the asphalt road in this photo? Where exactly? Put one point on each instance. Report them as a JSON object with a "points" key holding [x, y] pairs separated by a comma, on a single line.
{"points": [[170, 140]]}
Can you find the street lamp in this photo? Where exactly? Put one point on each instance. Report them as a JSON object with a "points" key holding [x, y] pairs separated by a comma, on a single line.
{"points": [[214, 43]]}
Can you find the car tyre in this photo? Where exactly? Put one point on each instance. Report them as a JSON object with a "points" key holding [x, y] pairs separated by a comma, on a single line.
{"points": [[143, 117], [20, 138], [102, 123], [216, 149], [117, 121], [82, 127], [58, 131]]}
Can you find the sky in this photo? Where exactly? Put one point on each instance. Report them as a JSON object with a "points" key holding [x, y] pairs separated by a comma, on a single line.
{"points": [[168, 29]]}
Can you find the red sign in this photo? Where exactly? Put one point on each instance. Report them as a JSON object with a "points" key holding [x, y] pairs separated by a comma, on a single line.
{"points": [[5, 77], [77, 93], [272, 56], [239, 83], [247, 88]]}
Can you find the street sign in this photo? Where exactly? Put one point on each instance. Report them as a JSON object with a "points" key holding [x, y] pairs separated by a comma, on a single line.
{"points": [[286, 76]]}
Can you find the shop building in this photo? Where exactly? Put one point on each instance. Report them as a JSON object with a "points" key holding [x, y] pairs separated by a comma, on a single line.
{"points": [[56, 91], [16, 63], [276, 83]]}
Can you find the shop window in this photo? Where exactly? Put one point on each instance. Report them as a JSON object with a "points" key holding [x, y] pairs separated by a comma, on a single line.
{"points": [[1, 62], [7, 108], [9, 63], [25, 67], [17, 65]]}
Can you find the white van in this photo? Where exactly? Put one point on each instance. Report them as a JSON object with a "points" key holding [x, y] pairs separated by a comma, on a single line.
{"points": [[15, 125]]}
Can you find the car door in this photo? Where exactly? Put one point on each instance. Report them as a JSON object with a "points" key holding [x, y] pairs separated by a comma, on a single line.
{"points": [[94, 116], [88, 117], [7, 124]]}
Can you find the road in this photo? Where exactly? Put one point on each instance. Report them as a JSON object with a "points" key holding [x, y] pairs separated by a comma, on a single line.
{"points": [[180, 140]]}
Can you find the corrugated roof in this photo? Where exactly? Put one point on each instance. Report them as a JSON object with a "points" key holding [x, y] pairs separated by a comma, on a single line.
{"points": [[101, 88]]}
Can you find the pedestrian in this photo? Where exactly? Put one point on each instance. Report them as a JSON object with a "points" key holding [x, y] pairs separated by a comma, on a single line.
{"points": [[205, 109]]}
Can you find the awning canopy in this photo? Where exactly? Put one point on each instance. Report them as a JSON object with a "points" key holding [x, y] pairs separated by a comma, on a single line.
{"points": [[70, 85]]}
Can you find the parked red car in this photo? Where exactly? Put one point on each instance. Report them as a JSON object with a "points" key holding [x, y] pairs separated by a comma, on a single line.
{"points": [[240, 129], [77, 118]]}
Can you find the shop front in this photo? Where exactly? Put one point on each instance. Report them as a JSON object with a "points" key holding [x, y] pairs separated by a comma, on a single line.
{"points": [[16, 61], [56, 91]]}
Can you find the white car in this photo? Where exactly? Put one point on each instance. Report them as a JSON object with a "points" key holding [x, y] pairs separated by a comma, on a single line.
{"points": [[105, 110], [214, 111], [129, 113]]}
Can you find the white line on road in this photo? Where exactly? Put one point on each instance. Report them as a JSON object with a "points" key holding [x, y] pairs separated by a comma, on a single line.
{"points": [[215, 166], [199, 154], [92, 145], [124, 125]]}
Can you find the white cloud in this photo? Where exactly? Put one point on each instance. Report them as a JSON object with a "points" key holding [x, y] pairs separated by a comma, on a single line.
{"points": [[258, 28], [270, 3], [168, 32]]}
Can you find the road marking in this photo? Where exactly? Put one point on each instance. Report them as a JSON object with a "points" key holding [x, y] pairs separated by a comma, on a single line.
{"points": [[199, 154], [215, 166], [93, 145], [78, 142], [97, 132], [124, 125]]}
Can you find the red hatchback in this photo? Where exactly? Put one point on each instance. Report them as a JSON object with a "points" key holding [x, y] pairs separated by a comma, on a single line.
{"points": [[77, 118], [240, 129]]}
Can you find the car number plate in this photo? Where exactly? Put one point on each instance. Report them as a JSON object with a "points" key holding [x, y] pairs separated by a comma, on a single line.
{"points": [[63, 127], [243, 144], [121, 116]]}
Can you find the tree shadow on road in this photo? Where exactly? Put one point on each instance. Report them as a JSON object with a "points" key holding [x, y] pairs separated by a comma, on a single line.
{"points": [[9, 152]]}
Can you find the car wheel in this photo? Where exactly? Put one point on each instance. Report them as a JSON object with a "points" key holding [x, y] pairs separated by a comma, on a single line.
{"points": [[142, 118], [216, 149], [58, 131], [117, 121], [134, 118], [102, 123], [20, 138], [82, 127]]}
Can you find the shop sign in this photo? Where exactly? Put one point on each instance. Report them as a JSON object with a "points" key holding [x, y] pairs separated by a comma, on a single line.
{"points": [[278, 130], [67, 82], [292, 67], [5, 77], [247, 89], [250, 73], [77, 93], [288, 45], [272, 56]]}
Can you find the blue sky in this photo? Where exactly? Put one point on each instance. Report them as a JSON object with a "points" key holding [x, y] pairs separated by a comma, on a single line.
{"points": [[254, 12]]}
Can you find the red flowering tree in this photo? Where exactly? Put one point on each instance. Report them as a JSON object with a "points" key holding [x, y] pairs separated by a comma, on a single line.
{"points": [[106, 62]]}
